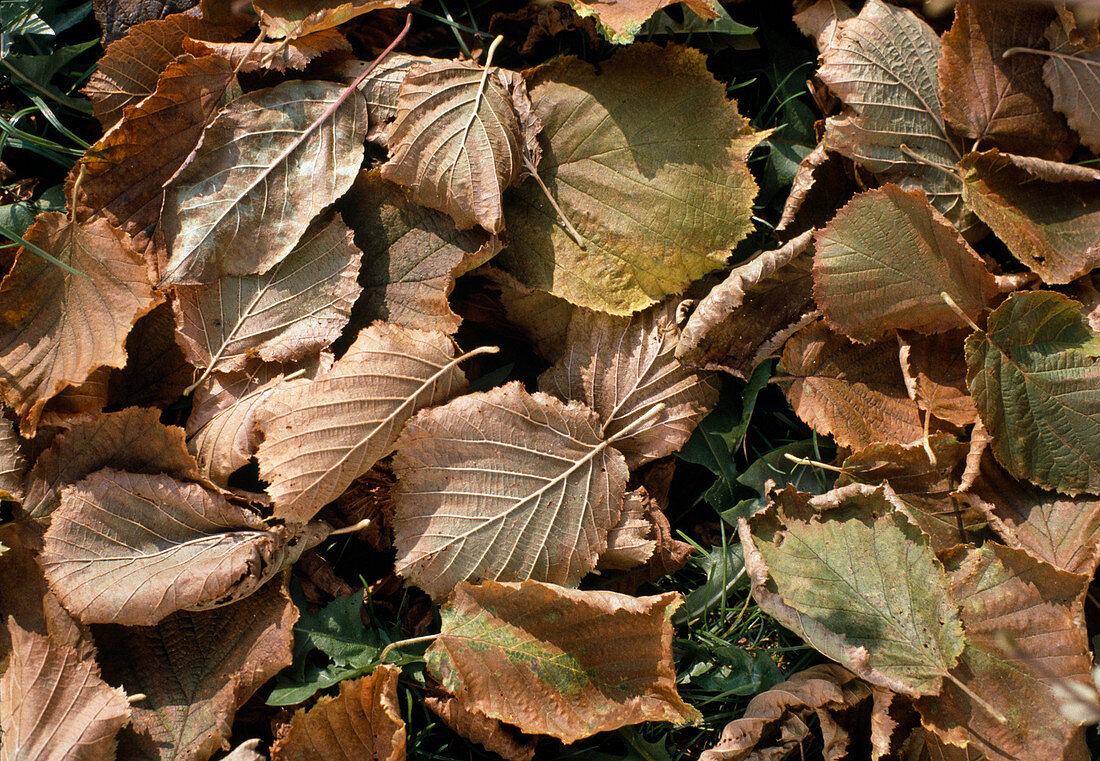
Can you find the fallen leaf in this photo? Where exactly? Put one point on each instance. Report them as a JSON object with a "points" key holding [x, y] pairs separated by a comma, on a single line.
{"points": [[249, 750], [1072, 72], [322, 434], [296, 308], [1024, 633], [857, 581], [777, 721], [56, 327], [934, 368], [504, 652], [227, 215], [1048, 214], [883, 261], [381, 88], [297, 18], [621, 367], [195, 670], [12, 463], [821, 185], [853, 392], [1035, 379], [748, 315], [503, 463], [126, 548], [362, 723], [542, 317], [657, 203], [819, 20], [461, 136], [620, 20], [271, 56], [628, 542], [118, 17], [411, 256], [54, 706], [882, 64], [993, 100], [479, 728], [156, 371]]}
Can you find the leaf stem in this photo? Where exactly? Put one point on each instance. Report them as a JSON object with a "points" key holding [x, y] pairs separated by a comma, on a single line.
{"points": [[402, 643], [958, 310], [814, 463], [907, 151], [480, 90], [352, 529], [651, 413], [576, 236], [1000, 717]]}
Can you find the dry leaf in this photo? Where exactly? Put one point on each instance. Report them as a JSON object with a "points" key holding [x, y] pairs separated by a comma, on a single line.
{"points": [[934, 368], [628, 542], [504, 652], [57, 327], [479, 728], [461, 136], [1072, 72], [381, 88], [271, 56], [195, 670], [620, 20], [504, 463], [296, 308], [12, 463], [322, 434], [622, 367], [156, 371], [362, 723], [819, 20], [126, 548], [297, 18], [266, 166], [411, 256], [542, 317], [656, 203]]}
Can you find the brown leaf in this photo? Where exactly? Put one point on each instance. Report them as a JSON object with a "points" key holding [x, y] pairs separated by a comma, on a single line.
{"points": [[629, 542], [411, 256], [993, 100], [1072, 72], [249, 750], [504, 652], [819, 20], [132, 439], [503, 463], [89, 397], [54, 706], [620, 20], [541, 316], [123, 174], [156, 371], [322, 434], [737, 324], [381, 88], [622, 367], [126, 548], [1025, 634], [821, 185], [1048, 214], [362, 723], [56, 328], [460, 138], [778, 721], [479, 728], [195, 670], [934, 368], [271, 56], [297, 18], [1086, 290], [12, 463], [1059, 530], [854, 392]]}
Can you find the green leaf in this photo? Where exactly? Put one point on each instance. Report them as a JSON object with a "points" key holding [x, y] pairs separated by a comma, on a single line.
{"points": [[1035, 379]]}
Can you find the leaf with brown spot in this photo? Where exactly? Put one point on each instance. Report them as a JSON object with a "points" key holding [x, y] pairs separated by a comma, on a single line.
{"points": [[853, 392], [411, 256], [504, 485], [271, 56], [1025, 634], [57, 327], [54, 706], [504, 652], [196, 670], [992, 100], [126, 548], [361, 723], [622, 367], [934, 368], [297, 18]]}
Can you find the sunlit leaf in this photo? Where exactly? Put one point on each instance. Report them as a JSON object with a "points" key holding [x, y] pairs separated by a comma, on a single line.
{"points": [[1072, 72], [273, 56], [12, 463], [296, 18]]}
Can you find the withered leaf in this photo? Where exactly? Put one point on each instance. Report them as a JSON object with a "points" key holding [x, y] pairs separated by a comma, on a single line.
{"points": [[620, 20], [1072, 72], [735, 326], [411, 256], [504, 652], [854, 392], [656, 203], [362, 723], [854, 578], [12, 463], [132, 439], [1048, 214], [541, 316], [196, 670], [479, 728], [273, 56], [778, 721], [1035, 379], [156, 371], [322, 434], [1024, 634], [504, 485], [266, 166], [57, 327], [381, 88], [296, 308], [934, 368], [297, 18], [621, 367], [461, 136], [993, 100], [882, 64], [54, 706], [629, 542], [883, 261], [131, 549]]}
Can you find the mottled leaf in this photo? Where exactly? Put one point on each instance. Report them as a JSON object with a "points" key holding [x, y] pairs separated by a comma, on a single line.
{"points": [[658, 201], [297, 18], [503, 650], [504, 485], [620, 20]]}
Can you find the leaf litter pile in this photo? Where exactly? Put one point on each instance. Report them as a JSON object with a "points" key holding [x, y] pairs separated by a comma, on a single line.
{"points": [[320, 302]]}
